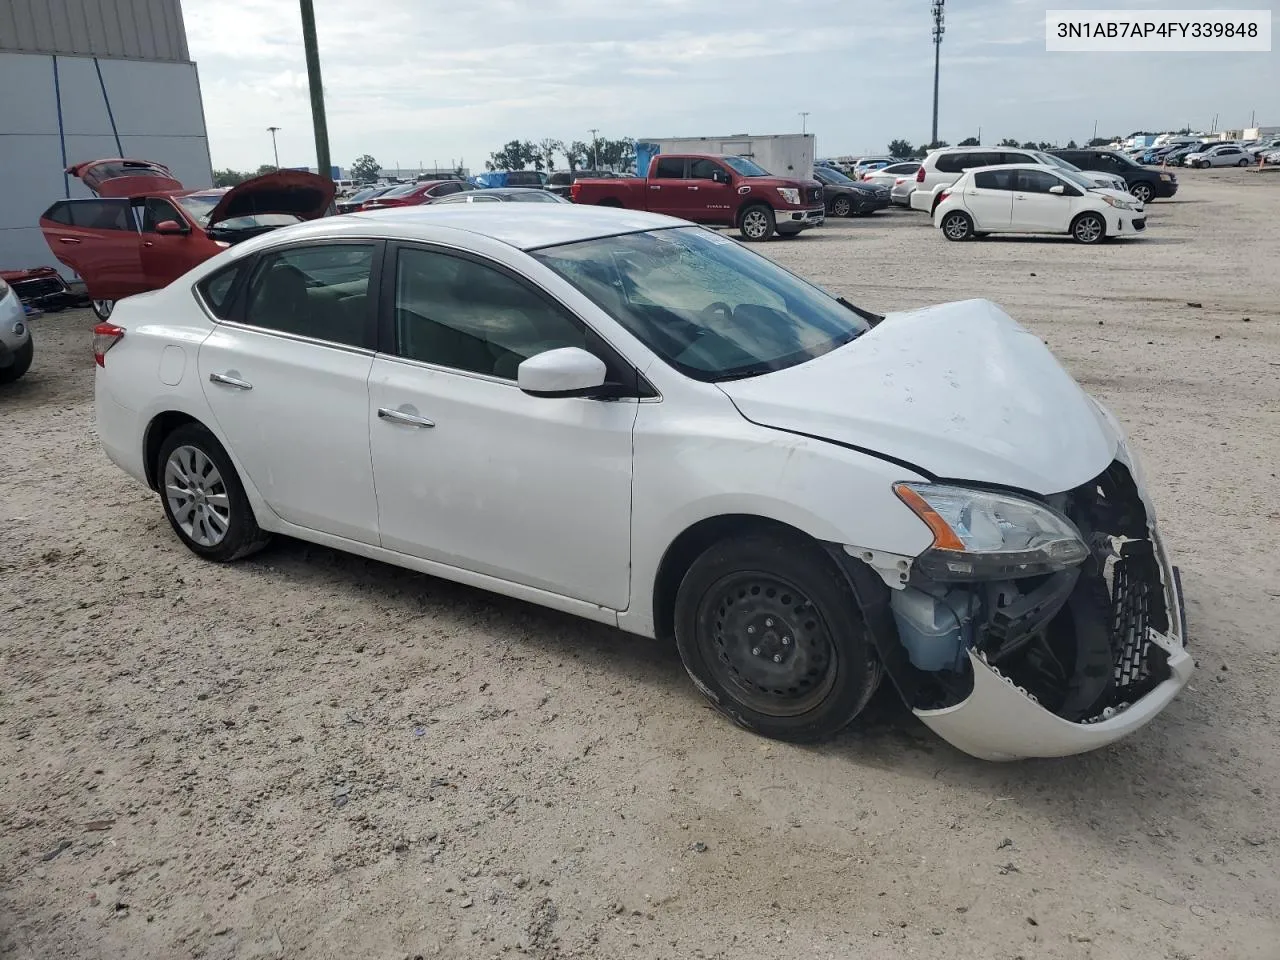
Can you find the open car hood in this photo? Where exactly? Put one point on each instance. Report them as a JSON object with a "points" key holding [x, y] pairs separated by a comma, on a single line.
{"points": [[305, 195], [120, 177], [957, 390]]}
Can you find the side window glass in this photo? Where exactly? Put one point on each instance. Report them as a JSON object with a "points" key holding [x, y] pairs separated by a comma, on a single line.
{"points": [[1036, 181], [102, 215], [217, 290], [950, 162], [703, 169], [994, 180], [457, 313], [670, 168], [158, 211], [60, 212], [320, 292]]}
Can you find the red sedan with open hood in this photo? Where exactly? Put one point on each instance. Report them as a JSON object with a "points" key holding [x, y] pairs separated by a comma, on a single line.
{"points": [[144, 229]]}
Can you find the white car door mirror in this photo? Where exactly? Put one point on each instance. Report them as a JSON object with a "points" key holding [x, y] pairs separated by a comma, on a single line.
{"points": [[1058, 191], [564, 372]]}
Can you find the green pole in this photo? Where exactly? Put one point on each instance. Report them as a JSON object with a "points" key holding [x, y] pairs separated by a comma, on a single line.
{"points": [[317, 88]]}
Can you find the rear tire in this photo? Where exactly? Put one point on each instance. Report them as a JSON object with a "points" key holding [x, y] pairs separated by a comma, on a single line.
{"points": [[1244, 162], [203, 498], [21, 362], [771, 634], [1089, 228], [103, 309], [957, 225], [756, 223], [1142, 192]]}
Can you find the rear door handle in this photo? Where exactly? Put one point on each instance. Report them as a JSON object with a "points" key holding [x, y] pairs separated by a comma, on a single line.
{"points": [[399, 416], [68, 240], [230, 381]]}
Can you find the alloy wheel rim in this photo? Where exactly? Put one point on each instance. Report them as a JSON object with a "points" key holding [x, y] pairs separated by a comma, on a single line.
{"points": [[1142, 192], [1087, 230], [768, 643], [956, 227], [104, 307], [841, 207], [754, 223], [197, 496]]}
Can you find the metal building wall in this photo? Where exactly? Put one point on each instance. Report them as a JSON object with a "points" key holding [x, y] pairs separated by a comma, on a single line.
{"points": [[132, 29]]}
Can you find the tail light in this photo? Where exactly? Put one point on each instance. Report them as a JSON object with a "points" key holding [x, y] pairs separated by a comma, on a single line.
{"points": [[105, 336], [900, 181], [574, 190], [920, 174], [942, 196], [866, 176]]}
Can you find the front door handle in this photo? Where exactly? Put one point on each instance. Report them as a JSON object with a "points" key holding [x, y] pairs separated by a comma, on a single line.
{"points": [[68, 240], [399, 416], [230, 381]]}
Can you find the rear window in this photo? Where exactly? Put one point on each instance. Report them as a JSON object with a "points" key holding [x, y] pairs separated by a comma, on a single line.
{"points": [[670, 168], [218, 290], [993, 179], [60, 212]]}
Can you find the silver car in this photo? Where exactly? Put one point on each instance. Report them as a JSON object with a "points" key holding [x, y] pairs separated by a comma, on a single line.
{"points": [[16, 348], [898, 178]]}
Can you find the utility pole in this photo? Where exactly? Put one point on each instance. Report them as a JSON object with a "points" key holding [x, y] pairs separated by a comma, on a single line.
{"points": [[274, 150], [595, 149], [939, 29], [804, 122], [323, 166]]}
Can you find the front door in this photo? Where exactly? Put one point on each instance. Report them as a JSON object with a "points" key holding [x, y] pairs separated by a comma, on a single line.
{"points": [[474, 473], [1035, 209], [707, 201], [288, 382], [167, 256], [667, 187]]}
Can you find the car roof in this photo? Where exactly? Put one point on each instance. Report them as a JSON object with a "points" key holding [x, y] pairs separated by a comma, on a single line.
{"points": [[521, 225]]}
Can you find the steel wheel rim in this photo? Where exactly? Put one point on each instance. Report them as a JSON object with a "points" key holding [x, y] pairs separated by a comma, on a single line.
{"points": [[103, 308], [755, 223], [841, 207], [766, 641], [1088, 230], [197, 496], [955, 227]]}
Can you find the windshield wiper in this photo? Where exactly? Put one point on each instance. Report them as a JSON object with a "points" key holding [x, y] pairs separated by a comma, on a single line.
{"points": [[872, 318]]}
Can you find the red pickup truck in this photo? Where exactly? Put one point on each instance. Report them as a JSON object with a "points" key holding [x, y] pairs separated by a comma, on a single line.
{"points": [[713, 189]]}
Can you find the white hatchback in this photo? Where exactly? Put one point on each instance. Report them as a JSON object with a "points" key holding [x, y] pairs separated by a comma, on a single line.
{"points": [[641, 422], [1027, 198]]}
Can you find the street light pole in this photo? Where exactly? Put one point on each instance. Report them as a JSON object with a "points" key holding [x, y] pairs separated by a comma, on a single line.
{"points": [[804, 122], [595, 148], [938, 30], [312, 49], [275, 152]]}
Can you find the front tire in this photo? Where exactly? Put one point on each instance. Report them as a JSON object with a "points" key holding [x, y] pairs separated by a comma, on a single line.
{"points": [[757, 223], [771, 634], [841, 207], [957, 226], [203, 498], [1089, 228], [1203, 164], [103, 309], [1142, 192], [21, 362]]}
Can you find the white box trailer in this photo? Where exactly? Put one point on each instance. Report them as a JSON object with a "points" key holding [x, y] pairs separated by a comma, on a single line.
{"points": [[782, 154]]}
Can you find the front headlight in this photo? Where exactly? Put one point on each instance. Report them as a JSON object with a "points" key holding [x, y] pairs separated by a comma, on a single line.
{"points": [[1166, 177], [982, 535], [4, 289], [790, 194], [1119, 204]]}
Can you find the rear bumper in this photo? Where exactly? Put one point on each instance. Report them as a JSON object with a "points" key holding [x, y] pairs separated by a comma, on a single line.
{"points": [[921, 200], [793, 221]]}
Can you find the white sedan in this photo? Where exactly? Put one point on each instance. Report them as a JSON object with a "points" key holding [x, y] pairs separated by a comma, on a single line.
{"points": [[643, 423], [1026, 198], [1221, 155]]}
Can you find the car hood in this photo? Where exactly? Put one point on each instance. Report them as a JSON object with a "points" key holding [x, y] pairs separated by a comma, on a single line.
{"points": [[959, 391], [305, 195], [1116, 194]]}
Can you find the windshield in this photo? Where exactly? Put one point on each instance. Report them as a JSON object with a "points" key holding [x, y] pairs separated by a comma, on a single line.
{"points": [[1127, 160], [1078, 178], [747, 168], [1053, 160], [201, 205], [364, 194], [827, 175], [703, 303], [534, 196]]}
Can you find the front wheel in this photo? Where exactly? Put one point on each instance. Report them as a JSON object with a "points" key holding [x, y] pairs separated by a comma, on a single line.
{"points": [[957, 226], [203, 497], [757, 223], [103, 309], [1142, 192], [1203, 164], [770, 632], [21, 362], [841, 207], [1089, 228]]}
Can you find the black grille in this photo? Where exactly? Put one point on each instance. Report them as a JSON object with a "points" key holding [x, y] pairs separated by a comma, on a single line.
{"points": [[815, 195], [39, 287], [1130, 599]]}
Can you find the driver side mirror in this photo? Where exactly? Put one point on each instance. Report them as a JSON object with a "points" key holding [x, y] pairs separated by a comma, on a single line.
{"points": [[1058, 190], [719, 176], [564, 372], [170, 227]]}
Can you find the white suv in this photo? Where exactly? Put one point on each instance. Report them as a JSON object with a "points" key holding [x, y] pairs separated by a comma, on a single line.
{"points": [[943, 167]]}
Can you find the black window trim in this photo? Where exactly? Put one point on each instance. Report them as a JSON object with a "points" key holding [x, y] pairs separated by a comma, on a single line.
{"points": [[633, 384], [236, 316]]}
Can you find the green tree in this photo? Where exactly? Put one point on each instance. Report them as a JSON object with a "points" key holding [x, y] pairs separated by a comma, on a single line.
{"points": [[576, 154], [1046, 145], [229, 178], [532, 155], [901, 148], [1099, 141], [1030, 145], [1071, 145], [619, 154], [969, 142], [510, 157], [548, 147], [365, 168], [1008, 142]]}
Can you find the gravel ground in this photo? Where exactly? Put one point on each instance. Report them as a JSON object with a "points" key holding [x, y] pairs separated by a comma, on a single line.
{"points": [[309, 754]]}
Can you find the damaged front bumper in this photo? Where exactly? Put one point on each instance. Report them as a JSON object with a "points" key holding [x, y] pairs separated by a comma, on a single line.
{"points": [[1043, 666]]}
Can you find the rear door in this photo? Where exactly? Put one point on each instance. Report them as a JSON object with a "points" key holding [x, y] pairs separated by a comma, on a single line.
{"points": [[667, 187], [99, 240], [989, 198]]}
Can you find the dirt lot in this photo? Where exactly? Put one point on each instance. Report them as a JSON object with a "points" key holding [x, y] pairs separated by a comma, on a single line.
{"points": [[311, 755]]}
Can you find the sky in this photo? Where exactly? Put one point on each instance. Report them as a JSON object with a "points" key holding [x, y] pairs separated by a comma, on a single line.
{"points": [[425, 82]]}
